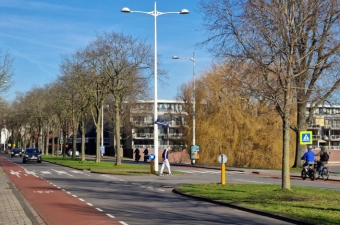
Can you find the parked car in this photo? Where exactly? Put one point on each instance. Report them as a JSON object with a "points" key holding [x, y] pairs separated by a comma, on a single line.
{"points": [[16, 152], [70, 152], [32, 154]]}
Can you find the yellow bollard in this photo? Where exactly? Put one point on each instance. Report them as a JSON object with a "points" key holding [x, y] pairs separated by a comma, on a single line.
{"points": [[223, 174], [152, 166]]}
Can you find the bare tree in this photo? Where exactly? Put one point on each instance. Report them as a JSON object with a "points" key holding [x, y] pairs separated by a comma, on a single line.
{"points": [[121, 62], [292, 44], [6, 70]]}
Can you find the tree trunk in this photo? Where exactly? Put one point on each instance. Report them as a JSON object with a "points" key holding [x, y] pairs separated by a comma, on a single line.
{"points": [[98, 131], [302, 126], [118, 155], [82, 131]]}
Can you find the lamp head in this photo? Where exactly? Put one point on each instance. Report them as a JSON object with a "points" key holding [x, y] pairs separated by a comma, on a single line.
{"points": [[125, 10], [175, 57], [184, 11]]}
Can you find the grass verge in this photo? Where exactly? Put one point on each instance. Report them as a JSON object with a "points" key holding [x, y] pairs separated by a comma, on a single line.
{"points": [[318, 206], [107, 167]]}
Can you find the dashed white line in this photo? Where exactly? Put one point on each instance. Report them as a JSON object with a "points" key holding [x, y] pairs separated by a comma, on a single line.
{"points": [[99, 209], [89, 204], [122, 222], [161, 190], [68, 192], [81, 199], [109, 215], [74, 196]]}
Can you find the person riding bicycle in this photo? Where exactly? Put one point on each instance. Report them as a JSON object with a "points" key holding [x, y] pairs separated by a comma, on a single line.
{"points": [[308, 157], [324, 157]]}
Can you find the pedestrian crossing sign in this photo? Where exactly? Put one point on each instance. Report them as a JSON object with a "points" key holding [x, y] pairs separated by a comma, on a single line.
{"points": [[306, 137]]}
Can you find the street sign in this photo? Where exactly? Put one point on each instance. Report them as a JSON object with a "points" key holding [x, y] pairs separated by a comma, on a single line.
{"points": [[222, 158], [163, 124], [306, 137], [61, 141], [151, 156]]}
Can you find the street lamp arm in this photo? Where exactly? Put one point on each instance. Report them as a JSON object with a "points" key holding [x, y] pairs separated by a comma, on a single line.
{"points": [[176, 57], [154, 13]]}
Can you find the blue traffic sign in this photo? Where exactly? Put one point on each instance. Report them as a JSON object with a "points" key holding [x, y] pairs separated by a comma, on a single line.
{"points": [[306, 137], [151, 156], [163, 124]]}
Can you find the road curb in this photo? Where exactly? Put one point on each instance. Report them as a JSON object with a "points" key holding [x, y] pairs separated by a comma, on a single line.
{"points": [[250, 210]]}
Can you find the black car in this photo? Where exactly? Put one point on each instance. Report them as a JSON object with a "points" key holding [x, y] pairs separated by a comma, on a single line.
{"points": [[32, 154], [16, 152]]}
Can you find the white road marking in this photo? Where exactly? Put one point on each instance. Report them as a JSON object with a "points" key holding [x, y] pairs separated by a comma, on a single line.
{"points": [[89, 204], [15, 173], [62, 172], [81, 199], [109, 215], [74, 196], [99, 209], [45, 172], [68, 192], [122, 222], [161, 190]]}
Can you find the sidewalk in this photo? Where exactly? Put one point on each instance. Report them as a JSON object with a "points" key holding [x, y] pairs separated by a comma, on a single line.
{"points": [[13, 209]]}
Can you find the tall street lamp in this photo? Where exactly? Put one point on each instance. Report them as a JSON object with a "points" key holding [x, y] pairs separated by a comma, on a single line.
{"points": [[194, 99], [155, 13]]}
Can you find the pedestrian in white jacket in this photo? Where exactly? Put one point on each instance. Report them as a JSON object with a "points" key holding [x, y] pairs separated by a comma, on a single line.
{"points": [[166, 163]]}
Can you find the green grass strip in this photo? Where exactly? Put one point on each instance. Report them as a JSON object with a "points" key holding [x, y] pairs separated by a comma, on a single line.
{"points": [[319, 206]]}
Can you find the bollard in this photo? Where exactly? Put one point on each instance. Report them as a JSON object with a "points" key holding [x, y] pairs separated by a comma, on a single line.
{"points": [[223, 173], [152, 166]]}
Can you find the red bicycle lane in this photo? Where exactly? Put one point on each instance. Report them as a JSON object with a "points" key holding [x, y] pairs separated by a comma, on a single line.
{"points": [[53, 205]]}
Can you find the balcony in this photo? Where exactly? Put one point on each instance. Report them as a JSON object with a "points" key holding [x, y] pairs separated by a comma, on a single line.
{"points": [[143, 136], [332, 126], [334, 138], [174, 136], [314, 127], [143, 123], [316, 137]]}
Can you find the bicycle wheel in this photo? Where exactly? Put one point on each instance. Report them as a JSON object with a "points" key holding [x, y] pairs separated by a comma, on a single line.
{"points": [[312, 174], [303, 174], [325, 173]]}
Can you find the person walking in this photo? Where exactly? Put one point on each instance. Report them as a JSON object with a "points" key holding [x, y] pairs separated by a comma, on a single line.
{"points": [[137, 155], [166, 163], [146, 154]]}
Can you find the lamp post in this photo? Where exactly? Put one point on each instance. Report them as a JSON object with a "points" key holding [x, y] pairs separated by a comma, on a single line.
{"points": [[155, 13], [193, 60]]}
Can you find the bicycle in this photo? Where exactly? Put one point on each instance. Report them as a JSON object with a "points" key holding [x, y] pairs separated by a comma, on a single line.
{"points": [[309, 171], [324, 172]]}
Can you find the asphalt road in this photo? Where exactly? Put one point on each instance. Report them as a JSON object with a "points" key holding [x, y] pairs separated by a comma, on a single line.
{"points": [[149, 199]]}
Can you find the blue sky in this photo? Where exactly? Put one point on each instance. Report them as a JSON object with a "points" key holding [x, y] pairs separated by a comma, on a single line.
{"points": [[38, 32]]}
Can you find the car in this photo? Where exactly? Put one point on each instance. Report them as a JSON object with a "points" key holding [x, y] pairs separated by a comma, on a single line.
{"points": [[70, 152], [16, 152], [32, 154]]}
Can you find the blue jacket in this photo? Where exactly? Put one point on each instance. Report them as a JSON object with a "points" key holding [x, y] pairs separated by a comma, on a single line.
{"points": [[308, 156]]}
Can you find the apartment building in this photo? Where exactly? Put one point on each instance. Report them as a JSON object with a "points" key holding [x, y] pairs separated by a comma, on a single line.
{"points": [[142, 120], [325, 129]]}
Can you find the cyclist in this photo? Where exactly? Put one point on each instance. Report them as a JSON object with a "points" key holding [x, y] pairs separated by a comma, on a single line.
{"points": [[324, 157], [308, 157]]}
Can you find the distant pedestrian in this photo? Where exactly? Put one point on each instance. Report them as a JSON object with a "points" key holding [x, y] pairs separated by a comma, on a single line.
{"points": [[137, 155], [166, 163], [146, 154]]}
